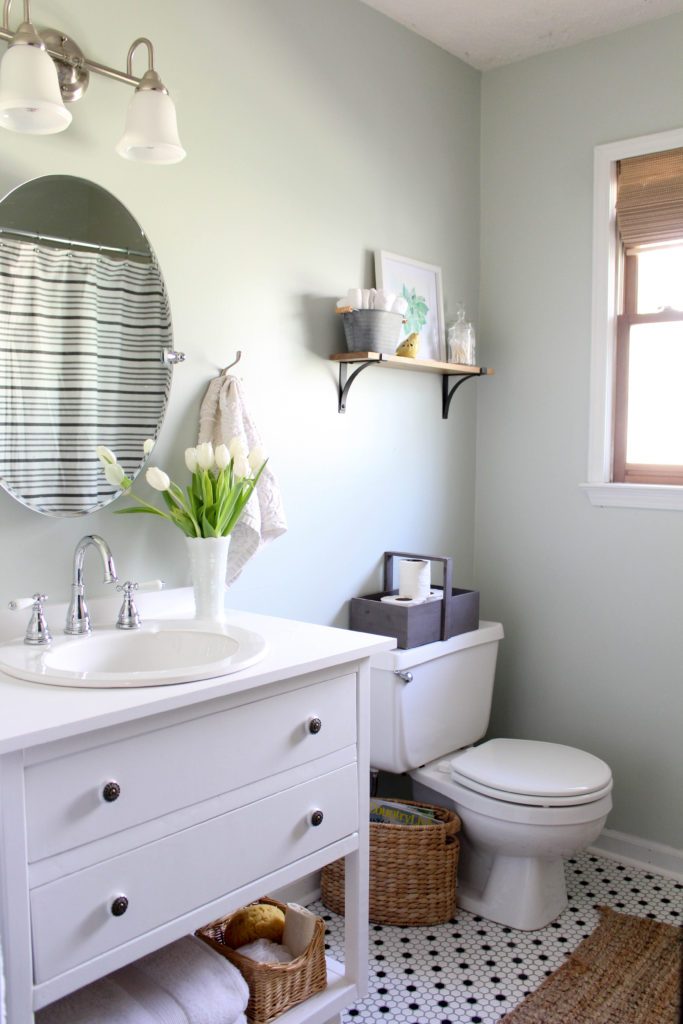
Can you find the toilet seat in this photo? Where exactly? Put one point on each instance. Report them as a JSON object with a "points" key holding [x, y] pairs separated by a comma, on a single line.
{"points": [[532, 772]]}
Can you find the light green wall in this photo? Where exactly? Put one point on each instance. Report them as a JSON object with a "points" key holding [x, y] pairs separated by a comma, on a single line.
{"points": [[317, 132], [591, 598]]}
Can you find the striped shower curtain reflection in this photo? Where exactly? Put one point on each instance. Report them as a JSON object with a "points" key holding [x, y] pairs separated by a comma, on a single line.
{"points": [[81, 336]]}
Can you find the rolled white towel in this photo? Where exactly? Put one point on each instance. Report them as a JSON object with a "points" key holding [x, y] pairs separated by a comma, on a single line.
{"points": [[400, 306], [365, 298], [355, 298], [384, 300]]}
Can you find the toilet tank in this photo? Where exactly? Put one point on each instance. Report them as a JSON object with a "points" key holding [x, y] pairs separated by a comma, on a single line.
{"points": [[445, 706]]}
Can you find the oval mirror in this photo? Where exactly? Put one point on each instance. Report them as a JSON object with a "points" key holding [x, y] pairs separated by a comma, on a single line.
{"points": [[85, 329]]}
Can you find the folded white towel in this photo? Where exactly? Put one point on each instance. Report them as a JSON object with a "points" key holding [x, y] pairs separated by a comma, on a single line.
{"points": [[104, 1001], [184, 983], [207, 986], [223, 415], [265, 951]]}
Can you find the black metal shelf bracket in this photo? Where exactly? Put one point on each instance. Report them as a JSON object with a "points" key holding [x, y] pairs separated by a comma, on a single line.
{"points": [[447, 389], [447, 395], [345, 385]]}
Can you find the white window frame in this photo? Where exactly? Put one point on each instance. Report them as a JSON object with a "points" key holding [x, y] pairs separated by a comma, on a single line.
{"points": [[599, 488]]}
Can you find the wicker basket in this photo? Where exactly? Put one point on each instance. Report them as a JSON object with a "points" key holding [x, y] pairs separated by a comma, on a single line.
{"points": [[412, 871], [274, 988]]}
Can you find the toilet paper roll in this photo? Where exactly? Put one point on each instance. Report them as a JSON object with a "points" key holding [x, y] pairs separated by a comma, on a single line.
{"points": [[407, 602], [355, 297], [414, 578]]}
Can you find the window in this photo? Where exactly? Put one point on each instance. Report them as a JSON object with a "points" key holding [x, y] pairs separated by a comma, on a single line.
{"points": [[648, 414], [636, 428]]}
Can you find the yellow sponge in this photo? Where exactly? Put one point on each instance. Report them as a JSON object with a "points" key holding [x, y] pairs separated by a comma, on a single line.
{"points": [[257, 921]]}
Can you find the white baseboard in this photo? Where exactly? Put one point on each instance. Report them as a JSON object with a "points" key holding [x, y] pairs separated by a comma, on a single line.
{"points": [[640, 853], [304, 891]]}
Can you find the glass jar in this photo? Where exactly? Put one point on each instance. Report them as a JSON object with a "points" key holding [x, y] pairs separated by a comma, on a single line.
{"points": [[461, 340]]}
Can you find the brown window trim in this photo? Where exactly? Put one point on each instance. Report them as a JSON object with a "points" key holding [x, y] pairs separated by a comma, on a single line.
{"points": [[622, 471]]}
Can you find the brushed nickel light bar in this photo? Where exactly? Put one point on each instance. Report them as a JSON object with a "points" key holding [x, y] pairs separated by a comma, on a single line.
{"points": [[44, 69]]}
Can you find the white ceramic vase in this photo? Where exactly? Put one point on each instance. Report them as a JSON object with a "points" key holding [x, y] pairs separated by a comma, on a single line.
{"points": [[208, 567]]}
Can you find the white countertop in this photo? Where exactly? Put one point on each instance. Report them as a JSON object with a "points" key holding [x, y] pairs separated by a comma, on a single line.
{"points": [[32, 713]]}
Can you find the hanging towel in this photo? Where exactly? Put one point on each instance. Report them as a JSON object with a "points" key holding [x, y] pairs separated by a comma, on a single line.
{"points": [[223, 415], [184, 983]]}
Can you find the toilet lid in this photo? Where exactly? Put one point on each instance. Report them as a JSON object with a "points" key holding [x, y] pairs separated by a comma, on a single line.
{"points": [[532, 771]]}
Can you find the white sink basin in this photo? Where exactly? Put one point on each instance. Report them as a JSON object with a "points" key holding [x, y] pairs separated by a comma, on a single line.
{"points": [[157, 654]]}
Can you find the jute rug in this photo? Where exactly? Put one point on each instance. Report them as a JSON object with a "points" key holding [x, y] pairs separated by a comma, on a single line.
{"points": [[627, 971]]}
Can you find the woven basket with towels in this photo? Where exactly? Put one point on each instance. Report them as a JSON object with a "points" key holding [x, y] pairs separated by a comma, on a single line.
{"points": [[273, 987]]}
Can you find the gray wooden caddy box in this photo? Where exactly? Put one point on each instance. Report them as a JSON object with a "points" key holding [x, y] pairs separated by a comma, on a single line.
{"points": [[417, 624]]}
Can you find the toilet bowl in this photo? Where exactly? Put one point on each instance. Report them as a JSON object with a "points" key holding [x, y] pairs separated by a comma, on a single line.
{"points": [[524, 804], [514, 842]]}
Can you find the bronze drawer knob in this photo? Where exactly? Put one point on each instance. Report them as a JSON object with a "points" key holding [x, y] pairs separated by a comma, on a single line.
{"points": [[317, 818], [111, 792], [119, 906], [314, 725]]}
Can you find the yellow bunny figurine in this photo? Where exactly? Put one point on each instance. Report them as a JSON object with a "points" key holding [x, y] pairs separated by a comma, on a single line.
{"points": [[409, 346]]}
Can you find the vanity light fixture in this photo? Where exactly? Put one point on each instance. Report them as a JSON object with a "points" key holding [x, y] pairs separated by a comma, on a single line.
{"points": [[42, 71]]}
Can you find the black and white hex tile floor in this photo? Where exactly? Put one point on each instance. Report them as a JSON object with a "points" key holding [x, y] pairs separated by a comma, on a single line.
{"points": [[471, 971]]}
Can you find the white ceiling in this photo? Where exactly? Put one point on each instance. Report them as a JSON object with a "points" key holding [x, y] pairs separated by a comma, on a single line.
{"points": [[489, 33]]}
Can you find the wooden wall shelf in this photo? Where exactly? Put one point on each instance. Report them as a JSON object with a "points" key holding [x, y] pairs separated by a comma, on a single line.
{"points": [[446, 370]]}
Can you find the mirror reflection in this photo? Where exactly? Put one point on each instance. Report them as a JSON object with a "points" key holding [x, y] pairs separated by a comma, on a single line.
{"points": [[84, 327]]}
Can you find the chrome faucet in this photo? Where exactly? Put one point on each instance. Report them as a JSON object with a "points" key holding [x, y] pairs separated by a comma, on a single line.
{"points": [[77, 618]]}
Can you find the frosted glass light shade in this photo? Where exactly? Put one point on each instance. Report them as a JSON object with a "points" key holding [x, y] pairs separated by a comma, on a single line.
{"points": [[30, 100], [151, 132]]}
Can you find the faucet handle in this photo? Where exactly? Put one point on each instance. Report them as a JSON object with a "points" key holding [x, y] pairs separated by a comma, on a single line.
{"points": [[129, 617], [150, 585], [37, 631]]}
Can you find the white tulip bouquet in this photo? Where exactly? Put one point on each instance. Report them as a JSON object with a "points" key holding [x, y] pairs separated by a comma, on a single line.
{"points": [[222, 482]]}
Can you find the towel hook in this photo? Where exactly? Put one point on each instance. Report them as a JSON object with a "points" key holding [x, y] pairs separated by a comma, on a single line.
{"points": [[233, 363]]}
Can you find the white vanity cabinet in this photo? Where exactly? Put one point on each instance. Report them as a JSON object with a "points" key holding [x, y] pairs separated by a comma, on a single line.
{"points": [[129, 818]]}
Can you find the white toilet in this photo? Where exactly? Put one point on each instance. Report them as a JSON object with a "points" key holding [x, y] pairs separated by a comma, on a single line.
{"points": [[524, 804]]}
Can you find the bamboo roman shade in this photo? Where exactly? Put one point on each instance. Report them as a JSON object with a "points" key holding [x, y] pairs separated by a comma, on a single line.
{"points": [[650, 198]]}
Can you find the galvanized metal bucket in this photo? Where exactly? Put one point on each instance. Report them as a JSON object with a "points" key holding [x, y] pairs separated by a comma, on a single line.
{"points": [[372, 330]]}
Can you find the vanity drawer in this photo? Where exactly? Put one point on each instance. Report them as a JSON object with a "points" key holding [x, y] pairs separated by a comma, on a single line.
{"points": [[69, 801], [72, 919]]}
